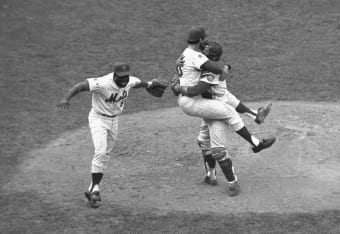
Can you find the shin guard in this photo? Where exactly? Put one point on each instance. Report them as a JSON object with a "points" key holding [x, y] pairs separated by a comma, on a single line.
{"points": [[225, 163]]}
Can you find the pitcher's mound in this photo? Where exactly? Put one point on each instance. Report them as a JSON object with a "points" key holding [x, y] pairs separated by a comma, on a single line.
{"points": [[157, 164]]}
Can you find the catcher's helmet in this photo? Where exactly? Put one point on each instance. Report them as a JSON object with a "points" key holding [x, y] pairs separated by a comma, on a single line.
{"points": [[213, 49]]}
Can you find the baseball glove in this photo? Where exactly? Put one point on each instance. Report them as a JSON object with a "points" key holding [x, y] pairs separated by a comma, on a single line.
{"points": [[157, 87]]}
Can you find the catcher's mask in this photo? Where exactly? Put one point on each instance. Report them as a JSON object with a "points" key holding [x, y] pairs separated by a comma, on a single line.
{"points": [[121, 81], [213, 49]]}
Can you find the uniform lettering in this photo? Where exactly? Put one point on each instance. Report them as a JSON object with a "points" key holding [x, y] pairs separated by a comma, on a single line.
{"points": [[115, 97]]}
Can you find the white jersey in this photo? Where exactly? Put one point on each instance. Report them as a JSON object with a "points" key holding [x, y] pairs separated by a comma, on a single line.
{"points": [[219, 89], [107, 97], [191, 70]]}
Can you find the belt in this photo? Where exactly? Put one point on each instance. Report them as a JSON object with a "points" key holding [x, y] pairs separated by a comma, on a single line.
{"points": [[105, 115]]}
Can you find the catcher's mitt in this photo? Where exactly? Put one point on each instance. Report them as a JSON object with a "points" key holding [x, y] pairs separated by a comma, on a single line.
{"points": [[157, 87]]}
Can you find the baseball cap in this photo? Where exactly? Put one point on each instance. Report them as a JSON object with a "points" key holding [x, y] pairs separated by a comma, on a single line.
{"points": [[196, 34], [121, 69]]}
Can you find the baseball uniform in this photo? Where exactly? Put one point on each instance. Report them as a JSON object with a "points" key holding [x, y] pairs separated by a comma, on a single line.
{"points": [[198, 106], [108, 95], [107, 104]]}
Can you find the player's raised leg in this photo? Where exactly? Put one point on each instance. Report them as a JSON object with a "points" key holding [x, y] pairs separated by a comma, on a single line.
{"points": [[258, 115], [217, 110], [257, 145], [208, 109], [262, 113]]}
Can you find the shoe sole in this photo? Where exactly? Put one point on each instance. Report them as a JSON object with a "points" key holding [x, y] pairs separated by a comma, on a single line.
{"points": [[269, 144], [97, 198], [264, 115]]}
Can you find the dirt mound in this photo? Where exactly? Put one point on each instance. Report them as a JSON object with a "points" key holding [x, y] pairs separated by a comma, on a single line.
{"points": [[156, 164]]}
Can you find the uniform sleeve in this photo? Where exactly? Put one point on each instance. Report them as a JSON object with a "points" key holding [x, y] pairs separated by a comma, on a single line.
{"points": [[209, 77], [95, 84], [134, 81], [199, 59]]}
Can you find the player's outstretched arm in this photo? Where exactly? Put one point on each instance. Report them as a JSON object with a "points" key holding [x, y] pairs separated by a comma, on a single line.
{"points": [[155, 87], [151, 84], [141, 84], [65, 101]]}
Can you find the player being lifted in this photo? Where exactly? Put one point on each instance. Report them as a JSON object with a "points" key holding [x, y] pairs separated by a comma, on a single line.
{"points": [[190, 88], [219, 91], [109, 93]]}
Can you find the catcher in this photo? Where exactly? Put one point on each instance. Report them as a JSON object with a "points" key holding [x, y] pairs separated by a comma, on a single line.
{"points": [[214, 111], [219, 91], [108, 95]]}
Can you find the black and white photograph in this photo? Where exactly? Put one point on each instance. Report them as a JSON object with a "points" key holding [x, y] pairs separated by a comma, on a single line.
{"points": [[154, 116]]}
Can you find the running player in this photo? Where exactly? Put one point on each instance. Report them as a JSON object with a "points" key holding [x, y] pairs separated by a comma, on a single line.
{"points": [[108, 95]]}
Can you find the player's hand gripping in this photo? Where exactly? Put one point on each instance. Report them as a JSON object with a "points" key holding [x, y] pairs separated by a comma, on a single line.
{"points": [[63, 104], [226, 71]]}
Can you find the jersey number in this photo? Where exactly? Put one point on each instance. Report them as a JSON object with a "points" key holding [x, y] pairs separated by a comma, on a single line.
{"points": [[179, 71], [179, 65]]}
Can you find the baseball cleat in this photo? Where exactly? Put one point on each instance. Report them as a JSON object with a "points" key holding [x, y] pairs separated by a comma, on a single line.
{"points": [[210, 180], [233, 188], [93, 203], [262, 113], [264, 144], [95, 196]]}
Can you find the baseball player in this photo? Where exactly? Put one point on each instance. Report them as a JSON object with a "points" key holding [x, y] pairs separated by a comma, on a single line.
{"points": [[219, 91], [197, 106], [210, 109], [213, 51], [109, 93]]}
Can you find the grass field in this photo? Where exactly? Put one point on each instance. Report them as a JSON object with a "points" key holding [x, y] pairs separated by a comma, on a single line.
{"points": [[279, 50]]}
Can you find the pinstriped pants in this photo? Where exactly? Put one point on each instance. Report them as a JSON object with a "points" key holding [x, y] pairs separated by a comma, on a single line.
{"points": [[104, 131], [210, 109]]}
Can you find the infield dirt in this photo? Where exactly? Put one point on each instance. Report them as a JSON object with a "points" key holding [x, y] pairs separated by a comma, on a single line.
{"points": [[156, 165]]}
